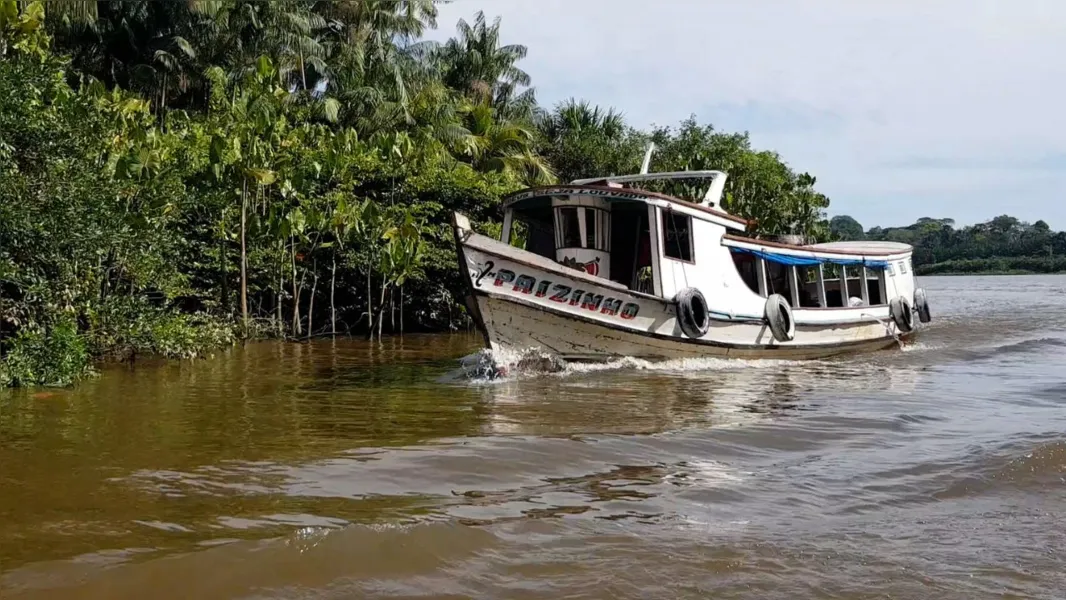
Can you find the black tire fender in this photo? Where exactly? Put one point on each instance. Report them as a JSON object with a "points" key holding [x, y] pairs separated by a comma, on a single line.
{"points": [[692, 313], [778, 316], [902, 314], [921, 306]]}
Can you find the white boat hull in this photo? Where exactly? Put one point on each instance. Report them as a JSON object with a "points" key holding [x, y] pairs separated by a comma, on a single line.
{"points": [[522, 301], [511, 326]]}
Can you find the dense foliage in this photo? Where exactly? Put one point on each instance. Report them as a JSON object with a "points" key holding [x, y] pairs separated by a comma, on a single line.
{"points": [[1002, 245], [180, 175]]}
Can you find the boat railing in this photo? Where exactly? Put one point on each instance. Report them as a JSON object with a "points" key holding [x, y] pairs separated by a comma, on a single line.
{"points": [[710, 198]]}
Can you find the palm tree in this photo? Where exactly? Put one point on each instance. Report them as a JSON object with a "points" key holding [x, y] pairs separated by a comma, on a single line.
{"points": [[70, 11], [162, 49], [582, 140], [574, 117], [373, 58], [292, 36], [496, 144], [477, 65]]}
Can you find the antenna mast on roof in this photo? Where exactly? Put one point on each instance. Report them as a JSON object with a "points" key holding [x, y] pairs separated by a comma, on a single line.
{"points": [[647, 158]]}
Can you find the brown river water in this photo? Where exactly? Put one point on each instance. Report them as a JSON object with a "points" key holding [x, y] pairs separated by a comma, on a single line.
{"points": [[354, 470]]}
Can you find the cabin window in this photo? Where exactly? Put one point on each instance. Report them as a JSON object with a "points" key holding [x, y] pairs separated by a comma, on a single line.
{"points": [[583, 227], [597, 229], [748, 268], [888, 269], [591, 229], [677, 236], [518, 234], [568, 234], [778, 280], [875, 284], [534, 230], [851, 284], [835, 291], [807, 287], [902, 268]]}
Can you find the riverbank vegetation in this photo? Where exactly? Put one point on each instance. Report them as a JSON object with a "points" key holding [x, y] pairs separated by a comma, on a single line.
{"points": [[1003, 245], [177, 176]]}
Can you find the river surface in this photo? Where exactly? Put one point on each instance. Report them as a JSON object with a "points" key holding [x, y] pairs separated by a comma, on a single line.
{"points": [[355, 470]]}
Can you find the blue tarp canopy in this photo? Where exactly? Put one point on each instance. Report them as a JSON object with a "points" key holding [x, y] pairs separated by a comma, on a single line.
{"points": [[802, 261]]}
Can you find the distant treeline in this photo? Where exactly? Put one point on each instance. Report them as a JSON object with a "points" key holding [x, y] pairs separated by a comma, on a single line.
{"points": [[1004, 244]]}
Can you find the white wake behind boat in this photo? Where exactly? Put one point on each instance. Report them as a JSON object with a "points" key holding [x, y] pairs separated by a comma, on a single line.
{"points": [[598, 269]]}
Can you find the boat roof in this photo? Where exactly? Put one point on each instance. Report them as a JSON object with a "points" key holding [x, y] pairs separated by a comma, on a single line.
{"points": [[863, 247], [870, 253], [534, 196], [712, 197], [712, 174]]}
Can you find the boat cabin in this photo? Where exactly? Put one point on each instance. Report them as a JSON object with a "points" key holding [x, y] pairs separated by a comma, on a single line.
{"points": [[658, 244]]}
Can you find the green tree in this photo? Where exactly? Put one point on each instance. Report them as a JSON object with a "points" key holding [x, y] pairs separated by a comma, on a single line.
{"points": [[760, 186], [580, 140], [478, 66], [844, 227]]}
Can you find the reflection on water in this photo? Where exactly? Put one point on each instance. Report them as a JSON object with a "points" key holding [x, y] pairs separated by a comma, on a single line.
{"points": [[349, 469]]}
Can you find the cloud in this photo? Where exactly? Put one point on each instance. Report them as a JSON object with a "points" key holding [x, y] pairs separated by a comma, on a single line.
{"points": [[953, 106]]}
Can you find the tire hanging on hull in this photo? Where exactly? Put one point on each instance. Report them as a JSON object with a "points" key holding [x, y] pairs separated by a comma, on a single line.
{"points": [[778, 316], [921, 306], [902, 314], [692, 314]]}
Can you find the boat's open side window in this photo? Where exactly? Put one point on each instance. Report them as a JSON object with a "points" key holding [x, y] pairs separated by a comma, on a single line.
{"points": [[875, 285], [748, 267], [779, 280], [821, 283], [583, 227], [677, 236], [807, 287], [568, 233], [834, 297], [853, 285], [597, 229], [530, 229]]}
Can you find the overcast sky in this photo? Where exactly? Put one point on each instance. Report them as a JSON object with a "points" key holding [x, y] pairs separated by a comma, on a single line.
{"points": [[901, 109]]}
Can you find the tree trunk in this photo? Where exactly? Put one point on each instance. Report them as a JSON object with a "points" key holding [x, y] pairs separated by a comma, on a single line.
{"points": [[244, 258], [222, 267], [303, 72], [163, 100], [332, 291], [281, 287], [105, 281], [369, 305], [311, 307], [295, 292], [381, 307], [401, 310]]}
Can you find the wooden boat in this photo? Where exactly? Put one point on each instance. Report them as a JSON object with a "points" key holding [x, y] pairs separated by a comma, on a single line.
{"points": [[599, 269]]}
